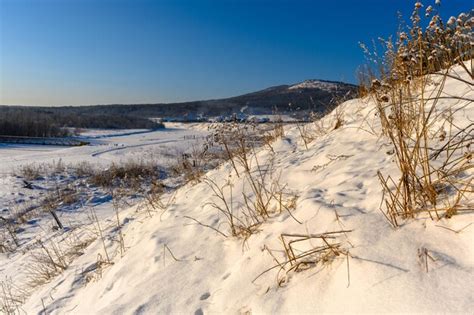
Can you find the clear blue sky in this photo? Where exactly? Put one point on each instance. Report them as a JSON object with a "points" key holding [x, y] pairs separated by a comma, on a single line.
{"points": [[70, 52]]}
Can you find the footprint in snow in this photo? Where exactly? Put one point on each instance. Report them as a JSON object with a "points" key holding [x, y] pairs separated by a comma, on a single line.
{"points": [[205, 296], [226, 276], [199, 312]]}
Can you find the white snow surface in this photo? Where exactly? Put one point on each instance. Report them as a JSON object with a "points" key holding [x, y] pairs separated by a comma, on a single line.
{"points": [[337, 173], [315, 84], [107, 147]]}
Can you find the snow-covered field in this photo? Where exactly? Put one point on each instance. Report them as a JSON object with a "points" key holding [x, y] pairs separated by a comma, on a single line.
{"points": [[179, 261], [160, 147], [107, 146]]}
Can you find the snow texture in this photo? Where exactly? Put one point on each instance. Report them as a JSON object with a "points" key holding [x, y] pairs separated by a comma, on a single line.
{"points": [[334, 178]]}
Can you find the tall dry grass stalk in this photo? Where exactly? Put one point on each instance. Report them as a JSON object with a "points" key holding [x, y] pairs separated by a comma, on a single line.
{"points": [[262, 193], [434, 164], [11, 297]]}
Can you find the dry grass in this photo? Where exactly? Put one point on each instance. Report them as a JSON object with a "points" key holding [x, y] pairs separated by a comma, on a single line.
{"points": [[30, 171], [263, 199], [425, 257], [46, 262], [11, 297], [8, 239], [305, 133], [155, 201], [83, 169], [434, 163], [303, 251], [127, 174], [322, 124], [240, 226], [100, 233], [117, 202], [190, 166], [262, 193], [34, 171], [50, 258]]}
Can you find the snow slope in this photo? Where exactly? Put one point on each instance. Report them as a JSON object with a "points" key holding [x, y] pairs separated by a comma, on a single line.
{"points": [[337, 188], [315, 84]]}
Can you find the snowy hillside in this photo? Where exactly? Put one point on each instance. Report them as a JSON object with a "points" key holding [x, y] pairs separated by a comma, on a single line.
{"points": [[320, 244], [315, 84]]}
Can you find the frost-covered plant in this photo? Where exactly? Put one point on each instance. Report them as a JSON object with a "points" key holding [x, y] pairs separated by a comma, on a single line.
{"points": [[418, 50]]}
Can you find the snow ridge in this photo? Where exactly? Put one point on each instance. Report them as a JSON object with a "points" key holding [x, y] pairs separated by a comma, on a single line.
{"points": [[315, 84]]}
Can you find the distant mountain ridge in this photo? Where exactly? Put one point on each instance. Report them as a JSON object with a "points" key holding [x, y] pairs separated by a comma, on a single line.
{"points": [[297, 99], [310, 95]]}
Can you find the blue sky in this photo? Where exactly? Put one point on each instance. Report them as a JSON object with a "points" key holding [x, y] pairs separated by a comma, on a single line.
{"points": [[73, 52]]}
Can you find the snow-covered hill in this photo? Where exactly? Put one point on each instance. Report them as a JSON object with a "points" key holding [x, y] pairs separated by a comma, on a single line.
{"points": [[172, 264], [316, 84]]}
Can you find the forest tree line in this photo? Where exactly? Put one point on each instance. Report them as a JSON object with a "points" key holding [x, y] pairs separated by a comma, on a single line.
{"points": [[42, 122]]}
